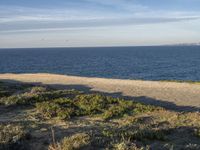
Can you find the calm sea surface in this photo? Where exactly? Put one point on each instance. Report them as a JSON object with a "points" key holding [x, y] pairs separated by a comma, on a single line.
{"points": [[148, 63]]}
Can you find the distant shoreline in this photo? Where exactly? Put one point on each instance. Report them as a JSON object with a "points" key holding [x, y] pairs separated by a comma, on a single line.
{"points": [[167, 45], [173, 81], [174, 95]]}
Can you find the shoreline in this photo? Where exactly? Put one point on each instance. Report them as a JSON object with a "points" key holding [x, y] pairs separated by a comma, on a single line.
{"points": [[173, 95], [171, 81]]}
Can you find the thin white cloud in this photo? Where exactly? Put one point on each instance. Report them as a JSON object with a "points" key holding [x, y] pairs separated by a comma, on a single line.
{"points": [[16, 19], [125, 5], [34, 26], [12, 14], [97, 22]]}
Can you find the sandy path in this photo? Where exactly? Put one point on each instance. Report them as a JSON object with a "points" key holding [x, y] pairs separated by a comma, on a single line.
{"points": [[167, 94]]}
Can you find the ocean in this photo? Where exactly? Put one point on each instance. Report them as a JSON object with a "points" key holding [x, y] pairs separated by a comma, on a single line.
{"points": [[146, 63]]}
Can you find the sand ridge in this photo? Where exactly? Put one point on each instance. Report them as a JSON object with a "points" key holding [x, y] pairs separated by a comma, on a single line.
{"points": [[154, 92]]}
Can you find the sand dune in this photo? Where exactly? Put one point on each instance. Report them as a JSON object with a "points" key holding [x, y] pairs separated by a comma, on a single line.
{"points": [[169, 94]]}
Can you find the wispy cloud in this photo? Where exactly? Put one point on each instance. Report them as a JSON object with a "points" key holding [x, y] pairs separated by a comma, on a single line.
{"points": [[78, 20], [121, 12], [123, 5], [52, 25]]}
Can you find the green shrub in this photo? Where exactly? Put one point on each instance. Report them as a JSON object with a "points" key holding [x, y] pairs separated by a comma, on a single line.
{"points": [[143, 108], [124, 107], [91, 104], [120, 107], [62, 108], [47, 109], [37, 95], [20, 99], [59, 94], [66, 108]]}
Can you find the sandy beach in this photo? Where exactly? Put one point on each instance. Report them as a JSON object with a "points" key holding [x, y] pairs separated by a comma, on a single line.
{"points": [[172, 95]]}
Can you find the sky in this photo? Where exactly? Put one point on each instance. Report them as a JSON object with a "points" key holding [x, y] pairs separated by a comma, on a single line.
{"points": [[85, 23]]}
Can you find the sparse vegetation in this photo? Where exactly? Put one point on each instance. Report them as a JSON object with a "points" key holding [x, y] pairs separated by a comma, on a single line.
{"points": [[76, 141], [62, 108], [33, 96], [88, 121], [90, 104], [12, 137]]}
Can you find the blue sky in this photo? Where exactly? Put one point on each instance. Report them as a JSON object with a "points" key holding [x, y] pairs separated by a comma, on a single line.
{"points": [[54, 23]]}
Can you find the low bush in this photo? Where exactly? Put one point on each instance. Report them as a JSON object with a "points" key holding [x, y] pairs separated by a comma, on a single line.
{"points": [[62, 108], [17, 99], [91, 104], [118, 110], [65, 104], [37, 94], [143, 108]]}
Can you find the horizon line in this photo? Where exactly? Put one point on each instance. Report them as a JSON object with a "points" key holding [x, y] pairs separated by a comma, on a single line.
{"points": [[114, 46]]}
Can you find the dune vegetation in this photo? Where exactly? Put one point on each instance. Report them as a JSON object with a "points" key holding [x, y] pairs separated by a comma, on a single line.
{"points": [[41, 117]]}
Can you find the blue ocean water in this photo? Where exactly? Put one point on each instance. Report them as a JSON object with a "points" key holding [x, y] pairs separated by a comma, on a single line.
{"points": [[147, 63]]}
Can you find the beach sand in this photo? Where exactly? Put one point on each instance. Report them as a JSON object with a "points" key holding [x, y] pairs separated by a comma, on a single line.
{"points": [[172, 95]]}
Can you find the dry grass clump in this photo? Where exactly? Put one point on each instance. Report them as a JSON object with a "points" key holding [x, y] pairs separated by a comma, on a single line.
{"points": [[136, 132], [74, 142], [38, 89], [12, 137], [129, 146], [155, 132]]}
